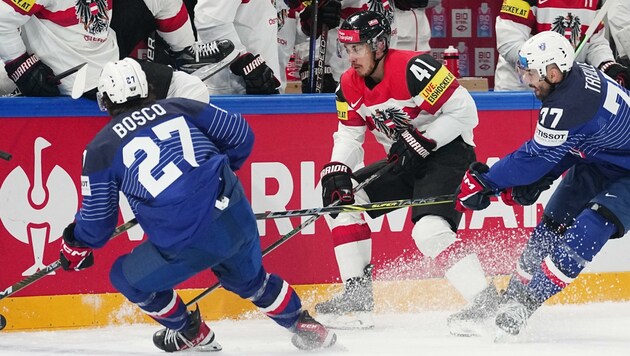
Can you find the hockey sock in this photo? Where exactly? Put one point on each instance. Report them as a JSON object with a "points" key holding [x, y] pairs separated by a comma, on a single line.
{"points": [[583, 240], [545, 236], [277, 299], [167, 308], [353, 249]]}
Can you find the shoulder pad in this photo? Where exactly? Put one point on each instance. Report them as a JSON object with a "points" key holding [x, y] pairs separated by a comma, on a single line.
{"points": [[427, 78]]}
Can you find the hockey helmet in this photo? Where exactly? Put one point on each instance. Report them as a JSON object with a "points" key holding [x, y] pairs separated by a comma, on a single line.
{"points": [[366, 27], [543, 49], [122, 81]]}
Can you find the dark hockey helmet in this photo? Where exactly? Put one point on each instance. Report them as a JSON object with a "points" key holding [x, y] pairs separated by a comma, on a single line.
{"points": [[366, 27]]}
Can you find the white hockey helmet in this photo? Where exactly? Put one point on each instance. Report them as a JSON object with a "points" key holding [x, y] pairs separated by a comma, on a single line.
{"points": [[543, 49], [121, 81]]}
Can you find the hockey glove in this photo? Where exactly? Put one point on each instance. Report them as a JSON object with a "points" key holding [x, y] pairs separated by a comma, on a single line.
{"points": [[74, 255], [410, 4], [329, 85], [32, 76], [328, 13], [293, 4], [259, 78], [410, 151], [527, 194], [474, 193], [618, 72], [336, 184]]}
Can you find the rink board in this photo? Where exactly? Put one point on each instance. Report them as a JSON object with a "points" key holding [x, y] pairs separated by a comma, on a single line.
{"points": [[40, 192]]}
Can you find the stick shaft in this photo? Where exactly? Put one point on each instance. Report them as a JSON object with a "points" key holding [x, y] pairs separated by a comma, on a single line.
{"points": [[593, 25], [55, 265], [384, 205], [299, 228]]}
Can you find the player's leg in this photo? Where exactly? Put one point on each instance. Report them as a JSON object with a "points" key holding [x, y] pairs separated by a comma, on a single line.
{"points": [[606, 216], [352, 240], [146, 277], [244, 274]]}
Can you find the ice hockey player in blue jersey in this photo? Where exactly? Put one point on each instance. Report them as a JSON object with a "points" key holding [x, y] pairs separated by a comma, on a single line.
{"points": [[174, 160], [583, 127]]}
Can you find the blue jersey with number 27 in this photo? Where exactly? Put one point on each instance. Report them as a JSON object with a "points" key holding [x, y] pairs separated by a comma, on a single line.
{"points": [[167, 159], [585, 119]]}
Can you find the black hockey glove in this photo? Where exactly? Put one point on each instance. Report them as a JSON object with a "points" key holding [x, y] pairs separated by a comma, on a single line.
{"points": [[618, 72], [329, 85], [474, 193], [410, 4], [336, 184], [328, 13], [293, 4], [410, 151], [526, 194], [32, 76], [259, 78], [74, 256]]}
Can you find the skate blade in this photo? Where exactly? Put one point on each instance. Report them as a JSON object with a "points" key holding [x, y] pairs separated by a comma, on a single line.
{"points": [[471, 329], [503, 337], [211, 347], [354, 321], [209, 70]]}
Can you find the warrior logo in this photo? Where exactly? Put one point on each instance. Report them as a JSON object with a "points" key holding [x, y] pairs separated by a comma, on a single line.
{"points": [[569, 27], [391, 121], [93, 15]]}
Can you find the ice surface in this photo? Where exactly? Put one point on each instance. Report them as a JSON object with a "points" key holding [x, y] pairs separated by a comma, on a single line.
{"points": [[593, 329]]}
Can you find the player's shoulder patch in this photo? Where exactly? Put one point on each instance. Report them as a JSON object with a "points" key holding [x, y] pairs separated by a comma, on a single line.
{"points": [[550, 137], [519, 8], [86, 191], [23, 5], [428, 78]]}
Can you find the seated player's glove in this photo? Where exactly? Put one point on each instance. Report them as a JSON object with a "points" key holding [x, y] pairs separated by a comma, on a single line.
{"points": [[410, 4], [410, 151], [74, 255], [474, 193], [32, 76], [618, 72], [526, 194], [336, 184], [328, 13], [329, 85], [259, 78]]}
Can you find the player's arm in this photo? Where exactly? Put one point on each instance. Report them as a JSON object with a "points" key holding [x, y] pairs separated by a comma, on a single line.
{"points": [[98, 216], [173, 22], [513, 27], [227, 130], [350, 135], [436, 90]]}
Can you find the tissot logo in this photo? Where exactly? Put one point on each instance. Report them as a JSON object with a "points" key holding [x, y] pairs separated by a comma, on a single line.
{"points": [[549, 137]]}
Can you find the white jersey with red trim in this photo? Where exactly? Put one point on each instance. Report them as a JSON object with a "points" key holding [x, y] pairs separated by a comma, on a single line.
{"points": [[62, 33], [173, 22], [518, 20], [416, 91]]}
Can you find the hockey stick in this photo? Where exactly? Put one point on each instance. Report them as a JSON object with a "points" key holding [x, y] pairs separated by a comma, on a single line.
{"points": [[323, 45], [299, 228], [208, 71], [391, 204], [5, 155], [77, 86], [593, 25], [311, 47], [56, 265]]}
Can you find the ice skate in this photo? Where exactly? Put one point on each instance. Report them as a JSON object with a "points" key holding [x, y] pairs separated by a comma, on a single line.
{"points": [[473, 320], [353, 308], [513, 314], [197, 336], [206, 58], [310, 334]]}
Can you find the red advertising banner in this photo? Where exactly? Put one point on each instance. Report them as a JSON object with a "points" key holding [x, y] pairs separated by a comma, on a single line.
{"points": [[40, 193]]}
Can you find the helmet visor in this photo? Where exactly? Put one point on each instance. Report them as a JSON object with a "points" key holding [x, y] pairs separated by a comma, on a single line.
{"points": [[526, 75]]}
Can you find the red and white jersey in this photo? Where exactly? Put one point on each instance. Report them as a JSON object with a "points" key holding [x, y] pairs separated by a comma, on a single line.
{"points": [[416, 91], [518, 20], [173, 22], [63, 34]]}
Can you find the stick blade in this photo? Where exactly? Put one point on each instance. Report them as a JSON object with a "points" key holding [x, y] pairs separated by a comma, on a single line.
{"points": [[78, 88]]}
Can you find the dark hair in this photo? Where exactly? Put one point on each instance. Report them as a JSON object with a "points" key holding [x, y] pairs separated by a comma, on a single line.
{"points": [[130, 105]]}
